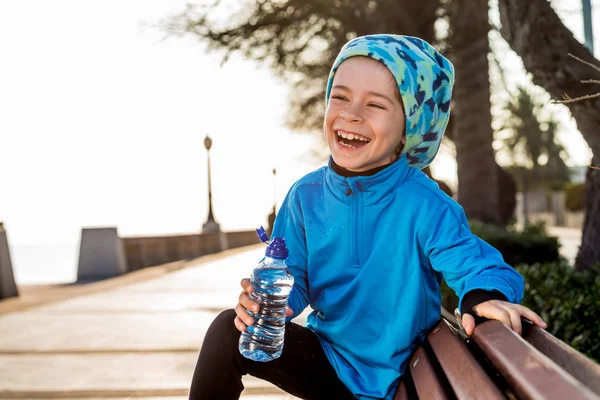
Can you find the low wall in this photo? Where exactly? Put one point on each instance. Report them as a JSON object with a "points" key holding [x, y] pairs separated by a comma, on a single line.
{"points": [[101, 254], [104, 254], [8, 287], [549, 208], [571, 219], [147, 251]]}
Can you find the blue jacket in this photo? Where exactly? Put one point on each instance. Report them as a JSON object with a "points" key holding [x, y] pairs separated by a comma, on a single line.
{"points": [[368, 254]]}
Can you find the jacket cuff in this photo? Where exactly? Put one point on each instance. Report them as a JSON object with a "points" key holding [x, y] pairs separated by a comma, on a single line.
{"points": [[478, 296]]}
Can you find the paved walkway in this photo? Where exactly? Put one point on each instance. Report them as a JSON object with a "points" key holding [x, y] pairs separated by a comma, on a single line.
{"points": [[135, 336], [569, 239], [133, 340]]}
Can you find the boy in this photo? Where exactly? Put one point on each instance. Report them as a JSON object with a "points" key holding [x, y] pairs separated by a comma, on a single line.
{"points": [[369, 239]]}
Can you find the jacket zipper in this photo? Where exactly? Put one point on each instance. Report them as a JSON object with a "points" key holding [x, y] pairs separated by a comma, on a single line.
{"points": [[354, 215]]}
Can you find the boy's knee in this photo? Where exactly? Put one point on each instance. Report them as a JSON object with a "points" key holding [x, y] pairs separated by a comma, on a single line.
{"points": [[222, 330]]}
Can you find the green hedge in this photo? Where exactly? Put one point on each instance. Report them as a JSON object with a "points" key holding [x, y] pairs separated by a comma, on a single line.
{"points": [[568, 301], [575, 196], [528, 246]]}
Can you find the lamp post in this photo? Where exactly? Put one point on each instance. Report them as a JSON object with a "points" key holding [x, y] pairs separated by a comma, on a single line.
{"points": [[586, 8], [271, 217], [210, 226], [274, 189]]}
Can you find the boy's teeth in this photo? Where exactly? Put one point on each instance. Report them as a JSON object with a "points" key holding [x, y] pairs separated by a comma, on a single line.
{"points": [[351, 136]]}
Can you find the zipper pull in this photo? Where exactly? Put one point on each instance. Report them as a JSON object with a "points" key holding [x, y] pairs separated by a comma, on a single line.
{"points": [[348, 192]]}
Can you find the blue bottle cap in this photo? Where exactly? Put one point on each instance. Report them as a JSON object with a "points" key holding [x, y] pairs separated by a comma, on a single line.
{"points": [[277, 249], [262, 235]]}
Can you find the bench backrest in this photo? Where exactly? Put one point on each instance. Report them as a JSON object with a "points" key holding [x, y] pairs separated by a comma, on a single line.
{"points": [[496, 363]]}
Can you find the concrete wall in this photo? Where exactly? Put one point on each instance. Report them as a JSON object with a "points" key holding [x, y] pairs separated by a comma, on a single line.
{"points": [[103, 254], [8, 287], [549, 208], [142, 252]]}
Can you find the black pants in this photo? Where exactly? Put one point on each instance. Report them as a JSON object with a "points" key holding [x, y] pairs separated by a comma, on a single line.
{"points": [[302, 370]]}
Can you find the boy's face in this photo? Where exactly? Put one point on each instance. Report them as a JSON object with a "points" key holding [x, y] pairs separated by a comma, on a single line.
{"points": [[364, 120]]}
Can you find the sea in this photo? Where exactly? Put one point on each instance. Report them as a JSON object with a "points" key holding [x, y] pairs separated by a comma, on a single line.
{"points": [[57, 263], [44, 264]]}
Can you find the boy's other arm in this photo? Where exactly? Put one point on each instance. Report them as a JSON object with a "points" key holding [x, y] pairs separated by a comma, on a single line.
{"points": [[480, 305], [487, 287]]}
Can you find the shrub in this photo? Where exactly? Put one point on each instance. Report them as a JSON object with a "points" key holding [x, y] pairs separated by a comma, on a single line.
{"points": [[575, 196], [568, 301], [528, 246]]}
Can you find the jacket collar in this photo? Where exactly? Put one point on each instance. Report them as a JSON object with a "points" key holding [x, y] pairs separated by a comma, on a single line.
{"points": [[373, 188]]}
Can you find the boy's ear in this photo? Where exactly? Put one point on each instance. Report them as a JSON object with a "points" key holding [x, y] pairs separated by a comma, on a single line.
{"points": [[401, 145]]}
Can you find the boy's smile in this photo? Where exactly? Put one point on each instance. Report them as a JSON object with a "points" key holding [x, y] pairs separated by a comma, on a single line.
{"points": [[364, 120], [351, 139]]}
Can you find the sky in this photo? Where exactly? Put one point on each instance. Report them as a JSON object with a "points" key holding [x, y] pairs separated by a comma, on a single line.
{"points": [[102, 123]]}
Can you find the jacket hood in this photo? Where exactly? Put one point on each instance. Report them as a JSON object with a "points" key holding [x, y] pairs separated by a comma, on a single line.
{"points": [[424, 78]]}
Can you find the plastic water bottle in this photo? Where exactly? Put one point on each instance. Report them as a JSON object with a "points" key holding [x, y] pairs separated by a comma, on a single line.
{"points": [[272, 284]]}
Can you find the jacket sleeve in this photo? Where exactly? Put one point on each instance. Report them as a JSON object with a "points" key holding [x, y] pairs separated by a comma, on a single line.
{"points": [[464, 260], [289, 224]]}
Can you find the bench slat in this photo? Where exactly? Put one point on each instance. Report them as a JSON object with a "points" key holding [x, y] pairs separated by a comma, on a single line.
{"points": [[401, 392], [572, 361], [466, 376], [531, 374], [426, 381]]}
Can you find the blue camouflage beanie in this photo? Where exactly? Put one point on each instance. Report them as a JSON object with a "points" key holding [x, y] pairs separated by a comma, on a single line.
{"points": [[425, 80]]}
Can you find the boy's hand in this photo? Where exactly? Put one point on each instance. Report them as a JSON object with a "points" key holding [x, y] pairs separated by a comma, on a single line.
{"points": [[508, 313], [242, 318]]}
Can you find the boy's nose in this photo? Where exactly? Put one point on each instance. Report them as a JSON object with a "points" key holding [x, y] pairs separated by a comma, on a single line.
{"points": [[350, 115]]}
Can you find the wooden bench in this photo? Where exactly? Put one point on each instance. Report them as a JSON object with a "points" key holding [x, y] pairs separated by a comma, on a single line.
{"points": [[497, 363]]}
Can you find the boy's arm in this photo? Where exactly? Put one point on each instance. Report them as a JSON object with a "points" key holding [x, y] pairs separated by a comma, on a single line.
{"points": [[472, 268], [289, 225]]}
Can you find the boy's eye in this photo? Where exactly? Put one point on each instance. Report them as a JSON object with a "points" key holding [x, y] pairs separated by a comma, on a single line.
{"points": [[375, 105], [338, 97]]}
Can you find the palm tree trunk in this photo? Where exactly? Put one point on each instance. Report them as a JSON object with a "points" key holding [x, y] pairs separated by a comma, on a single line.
{"points": [[589, 252], [472, 121], [536, 33]]}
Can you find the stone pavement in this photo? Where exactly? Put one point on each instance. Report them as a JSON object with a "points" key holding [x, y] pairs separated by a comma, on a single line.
{"points": [[569, 239], [134, 340], [132, 337]]}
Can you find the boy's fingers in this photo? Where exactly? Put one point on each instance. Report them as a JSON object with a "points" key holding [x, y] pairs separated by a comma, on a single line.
{"points": [[243, 315], [288, 311], [246, 285], [247, 302], [509, 314], [468, 323], [515, 320], [239, 324], [532, 316], [493, 311]]}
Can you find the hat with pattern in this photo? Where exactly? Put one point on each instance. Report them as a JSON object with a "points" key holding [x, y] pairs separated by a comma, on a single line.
{"points": [[425, 80]]}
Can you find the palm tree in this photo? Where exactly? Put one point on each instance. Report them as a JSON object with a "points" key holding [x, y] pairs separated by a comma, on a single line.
{"points": [[533, 138], [299, 39], [536, 33], [478, 176]]}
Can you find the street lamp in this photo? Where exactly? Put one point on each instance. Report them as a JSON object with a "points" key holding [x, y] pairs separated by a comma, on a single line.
{"points": [[274, 189], [210, 226], [271, 217]]}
